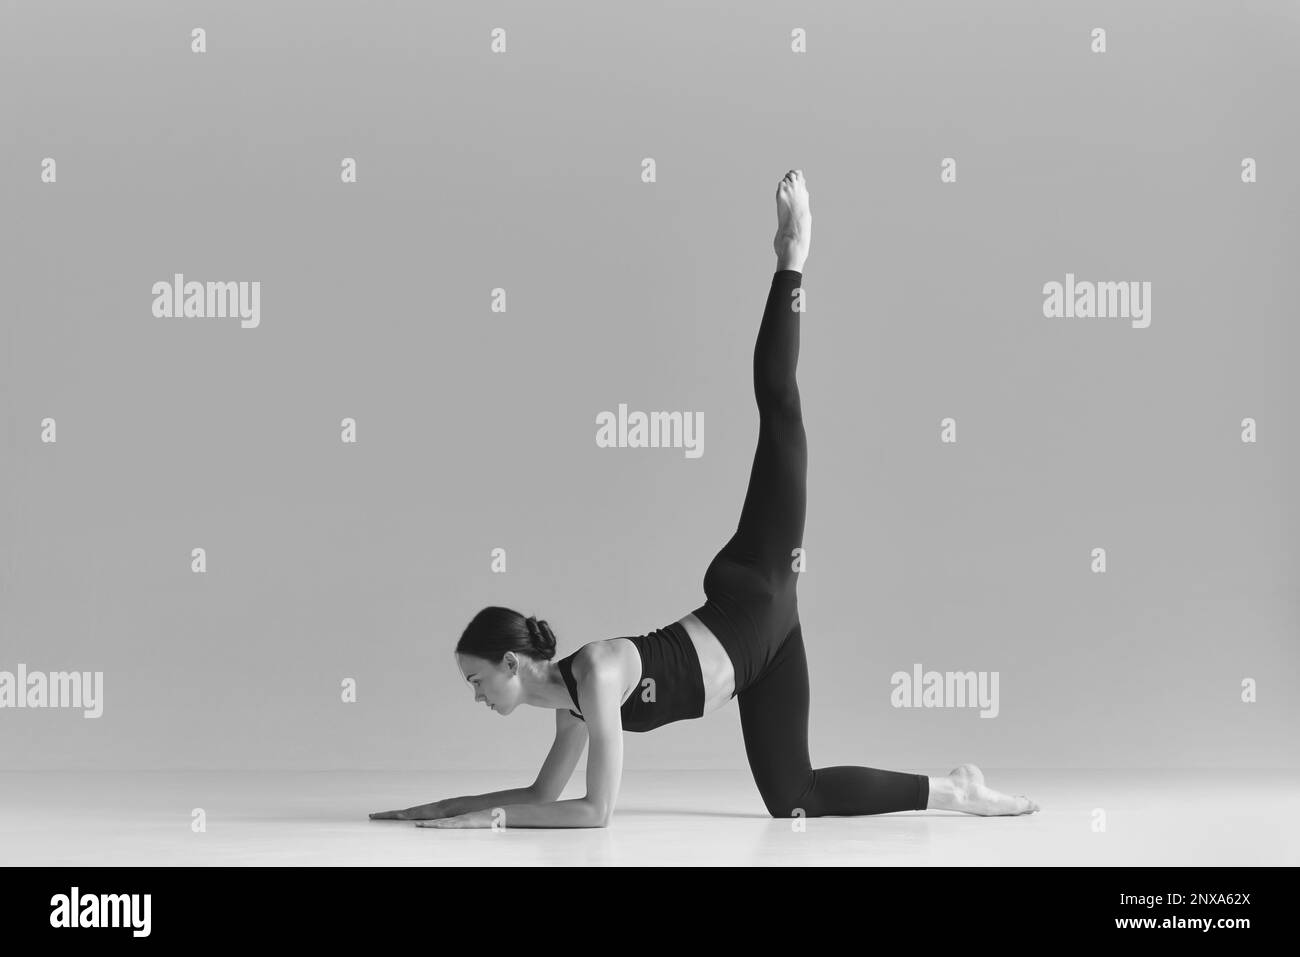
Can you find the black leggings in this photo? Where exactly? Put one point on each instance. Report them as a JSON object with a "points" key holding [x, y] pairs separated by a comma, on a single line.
{"points": [[753, 610]]}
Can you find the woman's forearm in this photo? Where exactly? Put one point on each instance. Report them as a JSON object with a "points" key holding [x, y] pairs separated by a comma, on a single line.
{"points": [[575, 812]]}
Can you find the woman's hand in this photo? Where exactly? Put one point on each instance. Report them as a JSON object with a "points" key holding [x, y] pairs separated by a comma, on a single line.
{"points": [[422, 812], [483, 818], [404, 815]]}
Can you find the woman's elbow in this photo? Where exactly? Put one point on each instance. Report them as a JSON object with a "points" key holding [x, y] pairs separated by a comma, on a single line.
{"points": [[602, 815]]}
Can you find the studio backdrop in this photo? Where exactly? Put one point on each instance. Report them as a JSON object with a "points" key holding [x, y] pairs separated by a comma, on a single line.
{"points": [[326, 325]]}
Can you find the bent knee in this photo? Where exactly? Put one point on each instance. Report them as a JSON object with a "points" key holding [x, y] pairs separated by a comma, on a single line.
{"points": [[782, 803], [790, 812]]}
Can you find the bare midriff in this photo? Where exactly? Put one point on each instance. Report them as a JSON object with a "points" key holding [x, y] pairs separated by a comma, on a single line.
{"points": [[715, 664], [716, 670]]}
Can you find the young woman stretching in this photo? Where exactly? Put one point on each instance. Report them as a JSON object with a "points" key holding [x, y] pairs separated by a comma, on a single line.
{"points": [[744, 642]]}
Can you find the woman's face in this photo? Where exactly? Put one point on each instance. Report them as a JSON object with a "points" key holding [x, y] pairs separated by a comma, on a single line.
{"points": [[495, 685]]}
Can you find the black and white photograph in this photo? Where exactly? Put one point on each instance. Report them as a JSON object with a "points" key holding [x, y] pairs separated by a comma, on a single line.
{"points": [[672, 435]]}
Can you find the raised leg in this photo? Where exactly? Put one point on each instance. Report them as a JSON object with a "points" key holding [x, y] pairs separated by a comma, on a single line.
{"points": [[750, 584], [772, 517]]}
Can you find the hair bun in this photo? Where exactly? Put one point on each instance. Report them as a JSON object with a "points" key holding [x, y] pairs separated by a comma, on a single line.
{"points": [[542, 636]]}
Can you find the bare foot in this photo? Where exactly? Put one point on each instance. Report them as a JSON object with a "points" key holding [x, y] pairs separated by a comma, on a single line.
{"points": [[973, 796], [793, 222]]}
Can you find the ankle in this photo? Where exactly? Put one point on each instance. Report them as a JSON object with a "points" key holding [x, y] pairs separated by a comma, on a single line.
{"points": [[944, 795]]}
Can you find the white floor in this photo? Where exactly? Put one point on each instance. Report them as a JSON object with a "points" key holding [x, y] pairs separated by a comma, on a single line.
{"points": [[1179, 818]]}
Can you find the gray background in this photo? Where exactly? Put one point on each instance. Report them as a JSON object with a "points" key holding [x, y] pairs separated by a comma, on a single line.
{"points": [[477, 429]]}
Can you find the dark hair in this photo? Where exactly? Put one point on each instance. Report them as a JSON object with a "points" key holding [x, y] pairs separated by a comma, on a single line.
{"points": [[496, 630]]}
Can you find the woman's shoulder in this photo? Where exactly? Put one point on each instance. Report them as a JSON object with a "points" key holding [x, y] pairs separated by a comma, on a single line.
{"points": [[607, 656], [584, 658]]}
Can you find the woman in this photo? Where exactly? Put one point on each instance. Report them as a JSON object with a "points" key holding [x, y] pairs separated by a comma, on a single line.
{"points": [[744, 642]]}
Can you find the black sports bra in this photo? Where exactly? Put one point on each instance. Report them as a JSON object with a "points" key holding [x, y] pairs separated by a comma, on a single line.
{"points": [[671, 686]]}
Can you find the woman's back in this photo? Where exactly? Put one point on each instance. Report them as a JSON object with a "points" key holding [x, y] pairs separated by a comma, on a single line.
{"points": [[670, 685]]}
